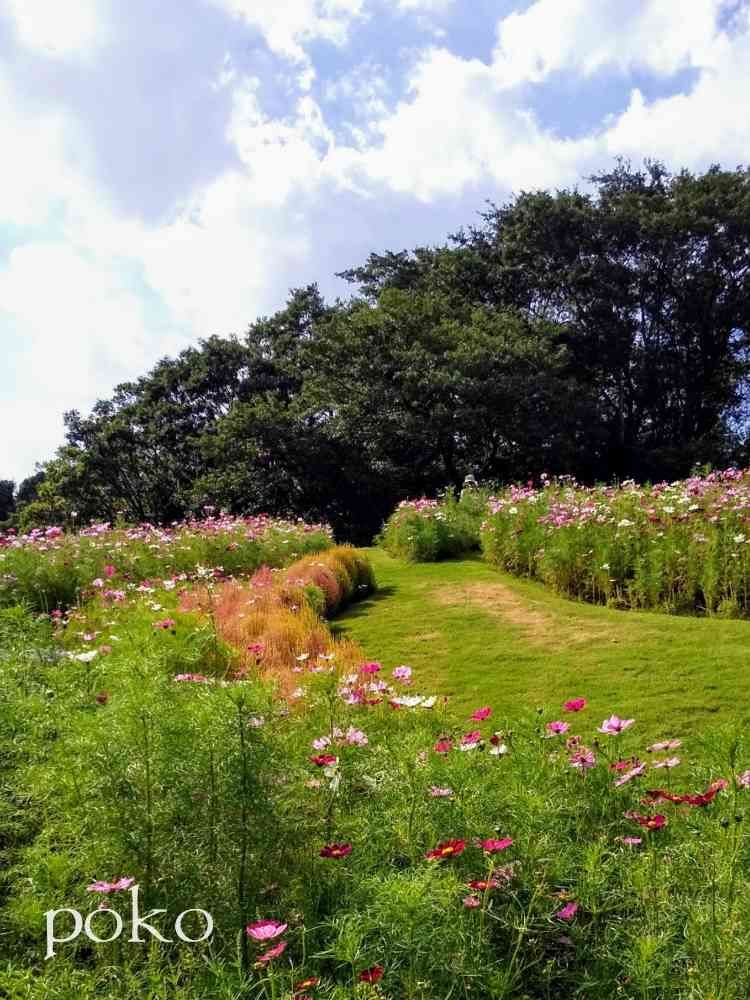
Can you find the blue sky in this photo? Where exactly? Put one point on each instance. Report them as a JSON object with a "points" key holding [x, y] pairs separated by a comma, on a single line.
{"points": [[170, 170]]}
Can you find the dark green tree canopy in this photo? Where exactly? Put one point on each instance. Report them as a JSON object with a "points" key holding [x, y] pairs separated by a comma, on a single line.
{"points": [[602, 333]]}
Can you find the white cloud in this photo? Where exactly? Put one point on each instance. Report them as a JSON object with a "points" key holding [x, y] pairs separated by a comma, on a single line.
{"points": [[424, 6], [59, 28], [287, 25], [587, 35]]}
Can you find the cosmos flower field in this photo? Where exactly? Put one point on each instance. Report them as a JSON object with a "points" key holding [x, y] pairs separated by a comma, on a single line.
{"points": [[681, 547], [181, 726]]}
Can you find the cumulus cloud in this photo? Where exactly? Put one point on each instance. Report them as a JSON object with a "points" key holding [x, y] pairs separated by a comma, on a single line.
{"points": [[588, 35], [91, 296], [55, 28]]}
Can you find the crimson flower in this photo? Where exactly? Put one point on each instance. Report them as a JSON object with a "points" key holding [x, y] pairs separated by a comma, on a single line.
{"points": [[448, 849], [575, 705], [481, 884], [647, 822], [443, 746], [373, 975], [324, 759], [335, 850]]}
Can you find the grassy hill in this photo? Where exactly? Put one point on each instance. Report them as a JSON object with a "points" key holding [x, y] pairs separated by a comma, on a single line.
{"points": [[487, 637]]}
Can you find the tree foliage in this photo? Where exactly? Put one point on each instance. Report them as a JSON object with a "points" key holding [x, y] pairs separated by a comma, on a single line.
{"points": [[602, 333]]}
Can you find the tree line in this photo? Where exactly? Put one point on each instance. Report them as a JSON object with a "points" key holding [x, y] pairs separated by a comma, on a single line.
{"points": [[602, 333]]}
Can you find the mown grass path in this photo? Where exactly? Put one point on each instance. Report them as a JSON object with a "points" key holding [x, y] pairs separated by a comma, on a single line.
{"points": [[484, 637]]}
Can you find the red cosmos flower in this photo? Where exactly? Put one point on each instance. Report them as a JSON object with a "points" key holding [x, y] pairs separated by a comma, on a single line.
{"points": [[306, 984], [482, 884], [647, 822], [481, 714], [443, 746], [373, 975], [469, 739], [102, 698], [701, 799], [324, 759], [448, 849], [575, 705], [335, 850], [278, 949], [493, 846]]}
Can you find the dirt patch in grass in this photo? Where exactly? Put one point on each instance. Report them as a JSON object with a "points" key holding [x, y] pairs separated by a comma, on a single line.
{"points": [[538, 626]]}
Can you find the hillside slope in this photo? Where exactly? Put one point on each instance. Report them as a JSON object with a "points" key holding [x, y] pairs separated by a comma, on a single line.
{"points": [[485, 637]]}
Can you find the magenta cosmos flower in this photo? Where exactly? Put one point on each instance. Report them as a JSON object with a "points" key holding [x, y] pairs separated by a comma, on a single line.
{"points": [[575, 705], [265, 930], [481, 714], [567, 912], [443, 746], [370, 668], [493, 846], [324, 759], [614, 725], [335, 850], [557, 728]]}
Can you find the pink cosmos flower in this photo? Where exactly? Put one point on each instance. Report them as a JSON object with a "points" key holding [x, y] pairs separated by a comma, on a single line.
{"points": [[165, 623], [567, 912], [614, 725], [443, 746], [196, 678], [471, 739], [472, 902], [583, 759], [665, 745], [557, 728], [668, 762], [656, 822], [356, 738], [743, 780], [119, 885], [631, 841], [575, 705], [402, 674], [278, 949], [109, 571], [441, 793], [634, 772], [481, 714], [265, 930], [321, 742]]}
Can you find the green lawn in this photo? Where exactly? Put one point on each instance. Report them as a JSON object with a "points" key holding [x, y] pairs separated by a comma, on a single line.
{"points": [[487, 638]]}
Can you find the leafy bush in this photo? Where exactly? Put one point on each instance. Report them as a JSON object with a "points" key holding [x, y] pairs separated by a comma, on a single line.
{"points": [[429, 530]]}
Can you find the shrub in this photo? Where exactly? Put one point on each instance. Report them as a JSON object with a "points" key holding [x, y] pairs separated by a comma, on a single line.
{"points": [[429, 530]]}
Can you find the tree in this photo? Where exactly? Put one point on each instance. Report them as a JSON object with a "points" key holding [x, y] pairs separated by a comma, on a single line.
{"points": [[7, 498]]}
